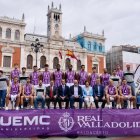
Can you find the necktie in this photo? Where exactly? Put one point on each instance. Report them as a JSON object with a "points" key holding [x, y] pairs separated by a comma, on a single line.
{"points": [[98, 89], [51, 92], [63, 90]]}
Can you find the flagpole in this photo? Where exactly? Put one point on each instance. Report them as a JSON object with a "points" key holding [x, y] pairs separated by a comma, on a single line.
{"points": [[63, 61]]}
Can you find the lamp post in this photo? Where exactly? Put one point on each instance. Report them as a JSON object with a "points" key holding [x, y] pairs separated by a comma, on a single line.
{"points": [[37, 47]]}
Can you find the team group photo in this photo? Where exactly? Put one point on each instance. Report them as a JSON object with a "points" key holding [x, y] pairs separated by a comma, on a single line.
{"points": [[115, 90], [70, 68]]}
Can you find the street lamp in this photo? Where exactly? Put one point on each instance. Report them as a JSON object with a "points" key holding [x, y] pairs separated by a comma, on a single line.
{"points": [[37, 47]]}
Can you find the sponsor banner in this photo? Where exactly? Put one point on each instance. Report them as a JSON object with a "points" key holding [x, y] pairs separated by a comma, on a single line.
{"points": [[137, 80], [32, 123]]}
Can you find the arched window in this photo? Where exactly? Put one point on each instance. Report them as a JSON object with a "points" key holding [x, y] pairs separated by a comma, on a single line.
{"points": [[42, 61], [0, 32], [67, 63], [89, 45], [78, 64], [8, 33], [58, 17], [95, 46], [100, 47], [29, 61], [17, 35], [55, 62]]}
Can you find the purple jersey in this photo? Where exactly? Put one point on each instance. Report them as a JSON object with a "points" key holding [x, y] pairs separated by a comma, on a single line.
{"points": [[94, 77], [105, 79], [46, 77], [58, 77], [125, 89], [120, 73], [111, 90], [83, 77], [27, 89], [35, 77], [14, 89], [70, 76], [15, 73]]}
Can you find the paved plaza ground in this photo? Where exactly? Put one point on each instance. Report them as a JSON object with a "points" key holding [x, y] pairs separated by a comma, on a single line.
{"points": [[79, 138]]}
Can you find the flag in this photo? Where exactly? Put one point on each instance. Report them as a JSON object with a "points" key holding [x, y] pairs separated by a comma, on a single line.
{"points": [[71, 54], [137, 79], [60, 54]]}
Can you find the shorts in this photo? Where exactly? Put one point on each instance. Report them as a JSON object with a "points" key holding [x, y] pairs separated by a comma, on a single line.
{"points": [[111, 98], [13, 97], [128, 97]]}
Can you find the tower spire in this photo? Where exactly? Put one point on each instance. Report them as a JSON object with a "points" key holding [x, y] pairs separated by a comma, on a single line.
{"points": [[103, 33], [84, 28], [23, 17], [52, 4], [48, 7], [60, 6]]}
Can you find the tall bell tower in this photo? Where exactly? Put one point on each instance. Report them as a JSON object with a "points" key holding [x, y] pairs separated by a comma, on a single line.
{"points": [[54, 21]]}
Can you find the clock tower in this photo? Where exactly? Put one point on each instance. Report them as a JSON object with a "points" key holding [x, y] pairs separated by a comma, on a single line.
{"points": [[54, 21]]}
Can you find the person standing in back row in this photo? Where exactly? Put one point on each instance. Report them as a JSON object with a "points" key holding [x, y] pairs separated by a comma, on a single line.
{"points": [[58, 75], [15, 73], [119, 72], [46, 76], [70, 75], [82, 76], [35, 76], [94, 76], [105, 78], [23, 76], [129, 77], [4, 83]]}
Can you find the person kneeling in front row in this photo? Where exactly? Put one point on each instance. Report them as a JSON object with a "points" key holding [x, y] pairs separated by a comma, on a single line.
{"points": [[27, 93], [76, 95], [40, 91], [14, 93]]}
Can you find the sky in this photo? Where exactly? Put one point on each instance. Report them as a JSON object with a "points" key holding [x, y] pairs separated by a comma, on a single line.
{"points": [[120, 19]]}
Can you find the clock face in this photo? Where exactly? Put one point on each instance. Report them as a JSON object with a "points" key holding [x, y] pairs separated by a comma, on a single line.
{"points": [[56, 26]]}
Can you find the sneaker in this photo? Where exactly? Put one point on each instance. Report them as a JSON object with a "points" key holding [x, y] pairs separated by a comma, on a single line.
{"points": [[109, 106], [17, 108], [6, 108], [131, 107], [31, 107], [21, 106], [118, 106]]}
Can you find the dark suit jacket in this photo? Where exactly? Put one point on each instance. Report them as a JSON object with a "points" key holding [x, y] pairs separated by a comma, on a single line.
{"points": [[95, 90], [55, 92], [80, 93], [66, 91]]}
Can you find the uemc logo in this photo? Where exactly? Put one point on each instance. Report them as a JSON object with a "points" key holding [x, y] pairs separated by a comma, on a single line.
{"points": [[66, 122]]}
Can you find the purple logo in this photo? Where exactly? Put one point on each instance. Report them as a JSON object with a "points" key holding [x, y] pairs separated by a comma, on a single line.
{"points": [[66, 122]]}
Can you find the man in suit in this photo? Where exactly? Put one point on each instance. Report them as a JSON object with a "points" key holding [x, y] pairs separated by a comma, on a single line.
{"points": [[63, 94], [51, 94], [99, 94], [76, 95]]}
